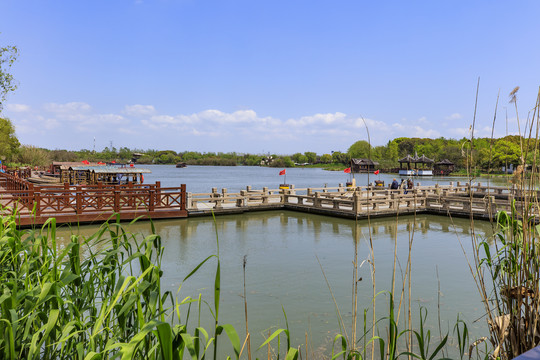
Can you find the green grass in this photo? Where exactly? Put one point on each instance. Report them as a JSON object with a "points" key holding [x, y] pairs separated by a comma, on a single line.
{"points": [[100, 297]]}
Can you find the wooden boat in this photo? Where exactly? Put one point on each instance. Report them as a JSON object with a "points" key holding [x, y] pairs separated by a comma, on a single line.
{"points": [[181, 165], [44, 180]]}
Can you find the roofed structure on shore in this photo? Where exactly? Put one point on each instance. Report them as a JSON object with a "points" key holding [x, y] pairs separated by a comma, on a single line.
{"points": [[415, 160], [56, 165], [443, 167], [106, 174], [406, 160], [363, 165]]}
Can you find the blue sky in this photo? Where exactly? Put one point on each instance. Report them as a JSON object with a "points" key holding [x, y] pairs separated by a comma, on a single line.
{"points": [[265, 76]]}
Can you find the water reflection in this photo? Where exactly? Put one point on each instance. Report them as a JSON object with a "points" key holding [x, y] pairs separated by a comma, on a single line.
{"points": [[283, 251]]}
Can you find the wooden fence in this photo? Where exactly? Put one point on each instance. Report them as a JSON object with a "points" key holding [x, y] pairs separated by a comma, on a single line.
{"points": [[72, 204]]}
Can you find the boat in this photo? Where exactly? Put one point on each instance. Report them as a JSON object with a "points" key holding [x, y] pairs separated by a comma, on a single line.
{"points": [[44, 180], [181, 165]]}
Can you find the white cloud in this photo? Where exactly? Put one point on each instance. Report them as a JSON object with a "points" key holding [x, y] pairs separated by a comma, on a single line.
{"points": [[17, 108], [67, 108], [454, 116], [399, 130], [139, 110], [210, 130]]}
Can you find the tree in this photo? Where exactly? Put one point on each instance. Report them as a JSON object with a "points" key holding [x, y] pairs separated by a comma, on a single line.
{"points": [[359, 149], [340, 158], [33, 156], [8, 55], [326, 158], [311, 157], [8, 141], [393, 151]]}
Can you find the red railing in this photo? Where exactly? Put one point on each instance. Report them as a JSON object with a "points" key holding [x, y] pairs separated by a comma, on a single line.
{"points": [[93, 202]]}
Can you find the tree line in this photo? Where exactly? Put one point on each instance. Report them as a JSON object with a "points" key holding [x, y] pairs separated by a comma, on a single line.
{"points": [[487, 154]]}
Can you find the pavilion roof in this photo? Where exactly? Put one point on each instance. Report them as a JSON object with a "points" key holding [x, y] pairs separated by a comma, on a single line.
{"points": [[444, 162], [407, 159], [106, 169], [364, 162], [423, 159]]}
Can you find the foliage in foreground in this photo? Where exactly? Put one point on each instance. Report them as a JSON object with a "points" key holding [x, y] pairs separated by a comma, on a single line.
{"points": [[100, 298]]}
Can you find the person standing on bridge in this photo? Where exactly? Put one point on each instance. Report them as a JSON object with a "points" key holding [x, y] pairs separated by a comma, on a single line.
{"points": [[394, 185]]}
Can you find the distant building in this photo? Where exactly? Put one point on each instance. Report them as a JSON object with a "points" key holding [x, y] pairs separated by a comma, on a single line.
{"points": [[363, 165]]}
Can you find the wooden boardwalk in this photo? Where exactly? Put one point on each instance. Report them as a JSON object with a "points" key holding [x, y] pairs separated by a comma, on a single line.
{"points": [[34, 205]]}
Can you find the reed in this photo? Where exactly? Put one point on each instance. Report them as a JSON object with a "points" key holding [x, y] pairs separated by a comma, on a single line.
{"points": [[508, 274]]}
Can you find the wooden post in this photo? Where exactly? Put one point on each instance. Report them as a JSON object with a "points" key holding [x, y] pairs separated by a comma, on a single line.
{"points": [[37, 202], [152, 198], [183, 190], [116, 191], [158, 194], [99, 195], [78, 201], [130, 194]]}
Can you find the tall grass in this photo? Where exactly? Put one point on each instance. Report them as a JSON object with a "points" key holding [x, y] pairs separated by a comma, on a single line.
{"points": [[508, 276], [100, 297]]}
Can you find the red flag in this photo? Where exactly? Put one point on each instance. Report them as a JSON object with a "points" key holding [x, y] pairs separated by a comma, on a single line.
{"points": [[113, 162], [282, 172], [131, 165], [347, 170], [101, 163], [376, 172], [85, 162]]}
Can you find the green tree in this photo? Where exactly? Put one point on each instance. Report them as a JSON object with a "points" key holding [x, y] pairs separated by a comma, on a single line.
{"points": [[326, 158], [302, 159], [31, 155], [392, 152], [311, 157], [296, 157], [8, 141], [340, 158], [8, 55], [359, 149], [288, 162], [506, 152]]}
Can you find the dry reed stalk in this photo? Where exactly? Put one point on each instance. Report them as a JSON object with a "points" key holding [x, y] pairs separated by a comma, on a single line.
{"points": [[513, 309], [246, 309]]}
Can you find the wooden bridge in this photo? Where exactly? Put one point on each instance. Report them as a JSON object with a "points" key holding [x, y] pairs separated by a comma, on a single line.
{"points": [[33, 205], [97, 203]]}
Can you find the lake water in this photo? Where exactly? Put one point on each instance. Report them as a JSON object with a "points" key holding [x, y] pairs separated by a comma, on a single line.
{"points": [[235, 178], [283, 250]]}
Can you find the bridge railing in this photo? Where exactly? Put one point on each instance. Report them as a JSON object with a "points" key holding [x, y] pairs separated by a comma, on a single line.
{"points": [[448, 199], [78, 200]]}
